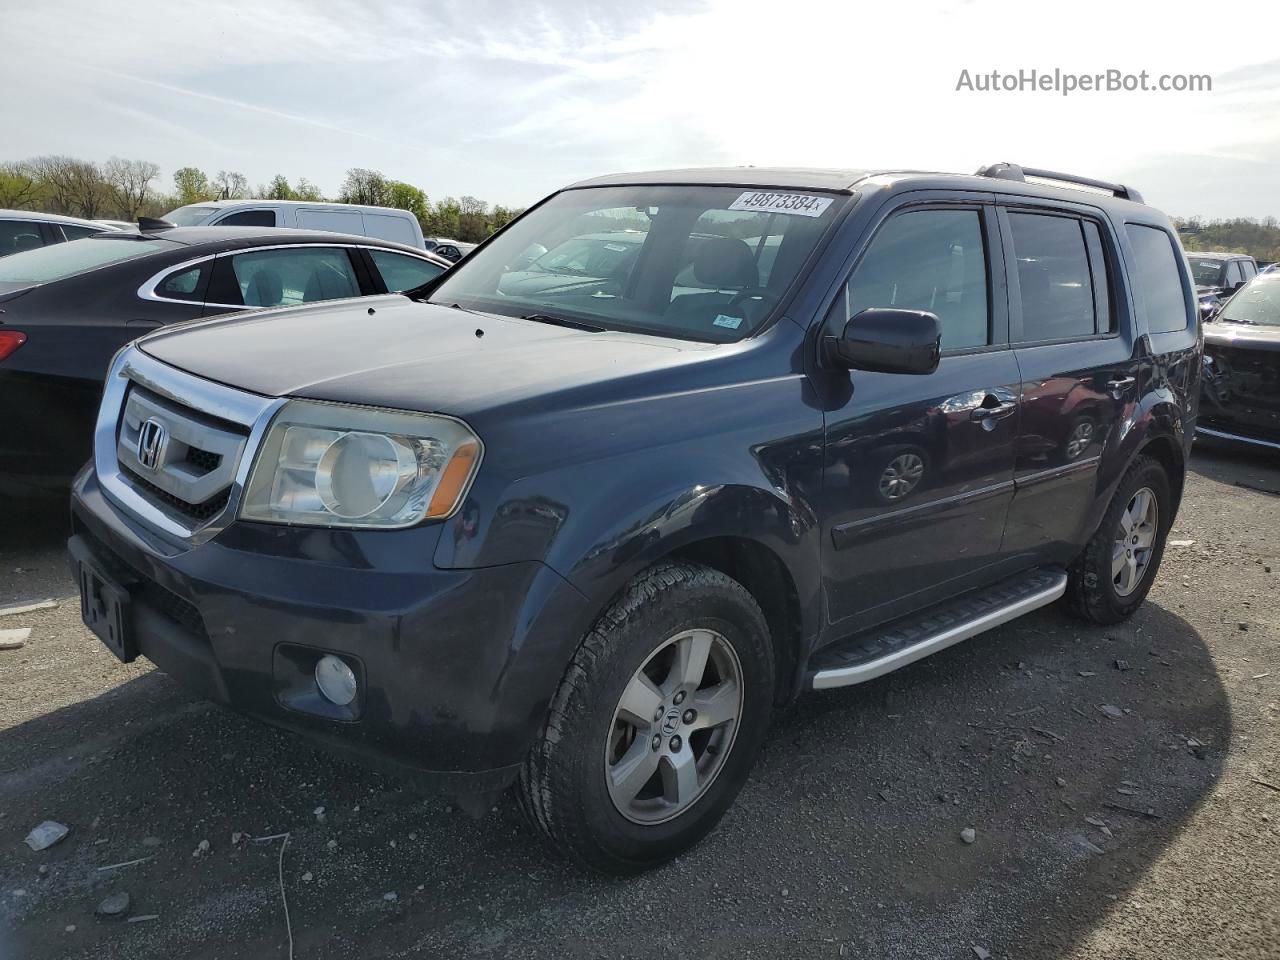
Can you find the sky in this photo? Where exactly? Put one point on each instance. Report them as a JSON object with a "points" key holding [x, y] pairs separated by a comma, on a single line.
{"points": [[507, 100]]}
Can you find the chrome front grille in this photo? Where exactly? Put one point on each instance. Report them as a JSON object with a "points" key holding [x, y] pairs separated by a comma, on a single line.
{"points": [[174, 450]]}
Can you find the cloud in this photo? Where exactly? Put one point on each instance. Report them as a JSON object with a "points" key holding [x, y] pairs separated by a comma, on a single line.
{"points": [[508, 99]]}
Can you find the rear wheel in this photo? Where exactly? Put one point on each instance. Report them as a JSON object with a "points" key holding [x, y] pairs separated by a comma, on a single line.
{"points": [[1115, 572], [656, 724]]}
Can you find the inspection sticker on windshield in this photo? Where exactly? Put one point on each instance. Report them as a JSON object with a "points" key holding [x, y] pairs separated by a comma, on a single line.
{"points": [[797, 204], [724, 320]]}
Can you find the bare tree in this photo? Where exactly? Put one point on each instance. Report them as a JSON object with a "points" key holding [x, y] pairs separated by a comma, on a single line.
{"points": [[129, 182], [364, 186], [76, 186], [231, 185]]}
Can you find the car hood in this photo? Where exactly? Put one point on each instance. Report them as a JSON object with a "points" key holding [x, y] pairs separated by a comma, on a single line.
{"points": [[1224, 333], [392, 352]]}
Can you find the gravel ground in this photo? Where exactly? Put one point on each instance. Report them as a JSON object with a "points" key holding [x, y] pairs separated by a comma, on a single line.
{"points": [[1153, 834]]}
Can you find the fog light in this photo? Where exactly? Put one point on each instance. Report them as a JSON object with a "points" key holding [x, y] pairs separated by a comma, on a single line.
{"points": [[335, 680]]}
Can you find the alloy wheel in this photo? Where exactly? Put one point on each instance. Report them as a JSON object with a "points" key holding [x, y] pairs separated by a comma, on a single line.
{"points": [[673, 727], [901, 475], [1134, 542]]}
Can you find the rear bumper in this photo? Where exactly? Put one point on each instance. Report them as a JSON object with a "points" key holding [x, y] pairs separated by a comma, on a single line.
{"points": [[457, 666]]}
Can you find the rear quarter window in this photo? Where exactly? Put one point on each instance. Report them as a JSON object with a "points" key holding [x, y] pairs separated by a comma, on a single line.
{"points": [[1157, 277]]}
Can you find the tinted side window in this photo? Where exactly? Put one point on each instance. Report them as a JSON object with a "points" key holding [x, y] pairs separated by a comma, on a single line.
{"points": [[1053, 277], [73, 232], [271, 278], [400, 272], [1233, 274], [184, 285], [932, 260], [1156, 274], [19, 235], [249, 218], [1100, 273], [1249, 270]]}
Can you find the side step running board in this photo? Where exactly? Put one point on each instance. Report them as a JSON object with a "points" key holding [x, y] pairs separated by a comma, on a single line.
{"points": [[872, 654]]}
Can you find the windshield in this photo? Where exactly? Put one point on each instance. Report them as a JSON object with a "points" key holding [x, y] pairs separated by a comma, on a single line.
{"points": [[699, 263], [1258, 303], [64, 259], [1208, 273], [189, 216]]}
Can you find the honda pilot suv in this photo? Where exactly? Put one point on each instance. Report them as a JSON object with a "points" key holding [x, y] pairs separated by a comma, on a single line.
{"points": [[583, 537]]}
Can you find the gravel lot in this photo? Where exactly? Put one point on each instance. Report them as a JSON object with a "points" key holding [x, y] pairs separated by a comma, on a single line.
{"points": [[845, 843]]}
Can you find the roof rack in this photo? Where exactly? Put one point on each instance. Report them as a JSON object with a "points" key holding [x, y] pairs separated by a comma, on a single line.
{"points": [[1011, 171]]}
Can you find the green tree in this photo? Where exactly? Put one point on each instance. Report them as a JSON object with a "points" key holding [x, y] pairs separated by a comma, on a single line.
{"points": [[278, 189], [19, 188], [129, 182], [444, 219], [405, 196], [191, 186]]}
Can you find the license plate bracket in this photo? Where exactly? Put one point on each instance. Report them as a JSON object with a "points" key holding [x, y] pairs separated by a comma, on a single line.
{"points": [[105, 608]]}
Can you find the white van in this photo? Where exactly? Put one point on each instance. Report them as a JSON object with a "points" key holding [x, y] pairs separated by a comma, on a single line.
{"points": [[385, 223]]}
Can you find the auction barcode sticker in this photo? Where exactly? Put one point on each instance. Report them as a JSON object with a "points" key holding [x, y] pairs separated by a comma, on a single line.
{"points": [[798, 204]]}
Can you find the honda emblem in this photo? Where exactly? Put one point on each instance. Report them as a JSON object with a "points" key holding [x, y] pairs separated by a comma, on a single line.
{"points": [[152, 437]]}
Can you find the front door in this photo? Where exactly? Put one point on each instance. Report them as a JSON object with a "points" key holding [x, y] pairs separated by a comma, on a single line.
{"points": [[918, 472]]}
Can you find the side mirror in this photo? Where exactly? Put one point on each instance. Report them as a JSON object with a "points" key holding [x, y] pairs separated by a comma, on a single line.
{"points": [[885, 340]]}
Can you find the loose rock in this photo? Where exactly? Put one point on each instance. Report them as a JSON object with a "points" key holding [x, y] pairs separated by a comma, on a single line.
{"points": [[968, 835], [46, 835], [306, 877], [981, 953], [1111, 710], [114, 905], [390, 896], [14, 639], [201, 849]]}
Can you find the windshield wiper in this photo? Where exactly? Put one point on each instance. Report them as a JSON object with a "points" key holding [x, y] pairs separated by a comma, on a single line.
{"points": [[564, 322]]}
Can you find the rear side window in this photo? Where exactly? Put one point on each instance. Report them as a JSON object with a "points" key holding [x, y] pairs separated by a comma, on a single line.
{"points": [[184, 285], [249, 218], [19, 235], [401, 272], [932, 260], [271, 278], [1054, 277], [1233, 273], [74, 232], [1156, 275], [1250, 271]]}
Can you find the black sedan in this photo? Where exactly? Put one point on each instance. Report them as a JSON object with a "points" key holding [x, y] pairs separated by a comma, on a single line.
{"points": [[1241, 385], [66, 309]]}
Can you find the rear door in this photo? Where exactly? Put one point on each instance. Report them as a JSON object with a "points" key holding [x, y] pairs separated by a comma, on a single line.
{"points": [[919, 469], [1074, 340]]}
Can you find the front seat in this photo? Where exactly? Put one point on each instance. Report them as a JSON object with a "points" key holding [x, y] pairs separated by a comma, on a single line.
{"points": [[265, 289], [723, 265]]}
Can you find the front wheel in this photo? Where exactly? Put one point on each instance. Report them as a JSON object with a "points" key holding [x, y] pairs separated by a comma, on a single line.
{"points": [[656, 723], [1113, 575]]}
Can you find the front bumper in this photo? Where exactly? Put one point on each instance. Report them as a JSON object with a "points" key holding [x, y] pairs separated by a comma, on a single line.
{"points": [[458, 666]]}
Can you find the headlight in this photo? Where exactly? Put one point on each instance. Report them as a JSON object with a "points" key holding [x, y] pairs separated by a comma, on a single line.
{"points": [[336, 465]]}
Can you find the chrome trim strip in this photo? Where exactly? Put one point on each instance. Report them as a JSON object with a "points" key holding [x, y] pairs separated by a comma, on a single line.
{"points": [[245, 409], [1085, 465], [1223, 435], [148, 289], [860, 673]]}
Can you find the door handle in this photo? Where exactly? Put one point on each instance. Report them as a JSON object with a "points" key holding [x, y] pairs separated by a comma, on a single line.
{"points": [[991, 414], [1120, 385]]}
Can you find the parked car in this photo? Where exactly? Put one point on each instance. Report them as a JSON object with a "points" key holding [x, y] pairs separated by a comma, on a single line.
{"points": [[584, 539], [1241, 385], [64, 311], [22, 230], [1218, 275], [452, 250], [384, 223]]}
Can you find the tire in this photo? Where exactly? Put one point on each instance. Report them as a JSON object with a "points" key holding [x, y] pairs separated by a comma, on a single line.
{"points": [[1093, 592], [568, 786]]}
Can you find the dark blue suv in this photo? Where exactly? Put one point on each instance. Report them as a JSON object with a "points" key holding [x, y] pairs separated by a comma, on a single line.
{"points": [[581, 515]]}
